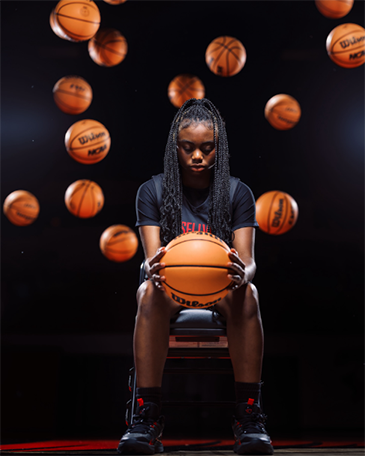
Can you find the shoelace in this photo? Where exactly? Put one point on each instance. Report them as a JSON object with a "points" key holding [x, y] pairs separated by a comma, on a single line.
{"points": [[252, 423], [140, 422]]}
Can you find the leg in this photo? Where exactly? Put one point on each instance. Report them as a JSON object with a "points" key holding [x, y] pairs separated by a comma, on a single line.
{"points": [[245, 341], [151, 334], [151, 342], [244, 332]]}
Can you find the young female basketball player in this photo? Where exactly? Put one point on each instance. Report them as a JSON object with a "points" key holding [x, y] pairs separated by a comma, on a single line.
{"points": [[196, 192]]}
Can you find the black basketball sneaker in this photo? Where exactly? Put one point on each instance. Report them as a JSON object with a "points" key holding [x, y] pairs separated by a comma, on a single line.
{"points": [[142, 436], [249, 430]]}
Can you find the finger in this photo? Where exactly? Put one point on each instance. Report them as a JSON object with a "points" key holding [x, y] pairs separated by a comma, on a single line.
{"points": [[156, 267], [235, 267]]}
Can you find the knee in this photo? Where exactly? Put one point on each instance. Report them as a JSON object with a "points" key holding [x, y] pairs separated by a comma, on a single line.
{"points": [[145, 294], [251, 307]]}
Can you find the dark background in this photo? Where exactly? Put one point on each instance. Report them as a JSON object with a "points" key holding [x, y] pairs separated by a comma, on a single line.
{"points": [[68, 312]]}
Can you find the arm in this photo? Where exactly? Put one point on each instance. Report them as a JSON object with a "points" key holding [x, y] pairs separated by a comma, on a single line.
{"points": [[243, 257], [153, 252]]}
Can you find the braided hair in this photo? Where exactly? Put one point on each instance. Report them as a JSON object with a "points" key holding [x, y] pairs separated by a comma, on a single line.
{"points": [[196, 111]]}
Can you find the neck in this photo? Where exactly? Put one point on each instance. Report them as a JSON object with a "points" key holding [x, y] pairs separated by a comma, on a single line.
{"points": [[196, 182]]}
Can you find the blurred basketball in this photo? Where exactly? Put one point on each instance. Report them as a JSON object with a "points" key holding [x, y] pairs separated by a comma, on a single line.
{"points": [[183, 87], [115, 2], [334, 9], [87, 141], [196, 269], [78, 19], [84, 198], [56, 28], [118, 243], [346, 45], [21, 207], [72, 94], [225, 56], [282, 111], [108, 47], [276, 212]]}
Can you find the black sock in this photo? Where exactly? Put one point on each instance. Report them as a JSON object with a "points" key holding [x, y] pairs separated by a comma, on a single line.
{"points": [[153, 394], [247, 391]]}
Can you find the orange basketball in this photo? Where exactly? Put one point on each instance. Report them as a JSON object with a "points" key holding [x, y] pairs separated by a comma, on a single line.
{"points": [[183, 87], [108, 47], [276, 212], [225, 56], [282, 111], [346, 45], [21, 207], [115, 2], [334, 9], [118, 243], [72, 94], [196, 269], [78, 19], [87, 141], [56, 28], [84, 198]]}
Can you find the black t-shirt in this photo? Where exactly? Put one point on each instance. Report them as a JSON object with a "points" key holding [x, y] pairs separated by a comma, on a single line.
{"points": [[195, 206]]}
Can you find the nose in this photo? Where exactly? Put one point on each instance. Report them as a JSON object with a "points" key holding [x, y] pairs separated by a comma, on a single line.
{"points": [[197, 155]]}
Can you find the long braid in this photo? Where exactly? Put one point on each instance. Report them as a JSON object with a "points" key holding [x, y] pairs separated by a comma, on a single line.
{"points": [[196, 111]]}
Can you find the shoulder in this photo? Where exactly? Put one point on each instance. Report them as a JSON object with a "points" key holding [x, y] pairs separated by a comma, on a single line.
{"points": [[239, 189], [151, 185]]}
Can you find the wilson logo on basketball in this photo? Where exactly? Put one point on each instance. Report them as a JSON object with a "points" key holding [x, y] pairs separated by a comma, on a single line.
{"points": [[278, 214], [84, 11], [186, 303], [346, 43], [96, 151], [77, 87], [91, 137]]}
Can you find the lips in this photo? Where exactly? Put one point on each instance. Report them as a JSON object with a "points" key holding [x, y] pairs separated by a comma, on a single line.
{"points": [[198, 167]]}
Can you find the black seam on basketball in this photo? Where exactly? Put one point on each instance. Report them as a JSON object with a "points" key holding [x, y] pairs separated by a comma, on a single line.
{"points": [[269, 212], [73, 94], [285, 213], [60, 103], [77, 189], [196, 294], [208, 266], [75, 19], [64, 29], [190, 240], [218, 57], [112, 51], [343, 36], [333, 11], [82, 197], [360, 46]]}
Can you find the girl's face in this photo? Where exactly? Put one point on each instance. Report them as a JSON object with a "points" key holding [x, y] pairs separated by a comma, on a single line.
{"points": [[196, 154]]}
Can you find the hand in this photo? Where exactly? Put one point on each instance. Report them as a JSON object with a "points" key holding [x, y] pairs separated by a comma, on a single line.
{"points": [[152, 267], [238, 268]]}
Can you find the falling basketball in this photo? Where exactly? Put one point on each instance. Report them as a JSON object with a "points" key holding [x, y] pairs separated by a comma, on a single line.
{"points": [[118, 243], [115, 2], [72, 94], [78, 19], [196, 269], [346, 45], [282, 111], [108, 47], [276, 212], [21, 207], [183, 87], [87, 141], [334, 9], [225, 56], [56, 28], [84, 198]]}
